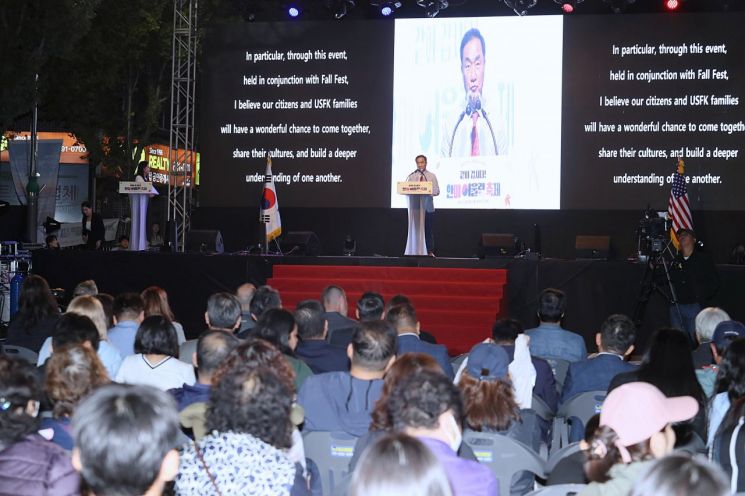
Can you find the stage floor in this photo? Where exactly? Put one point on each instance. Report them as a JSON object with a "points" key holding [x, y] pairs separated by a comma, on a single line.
{"points": [[594, 288]]}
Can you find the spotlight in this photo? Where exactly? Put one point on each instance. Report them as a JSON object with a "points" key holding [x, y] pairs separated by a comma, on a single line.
{"points": [[520, 6], [350, 246], [293, 12], [672, 4], [386, 7], [433, 7], [568, 6]]}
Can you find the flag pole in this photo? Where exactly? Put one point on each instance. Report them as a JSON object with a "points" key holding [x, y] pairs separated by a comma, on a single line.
{"points": [[266, 233]]}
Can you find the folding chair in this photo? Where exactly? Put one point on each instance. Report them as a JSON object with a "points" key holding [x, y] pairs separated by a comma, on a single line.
{"points": [[331, 452]]}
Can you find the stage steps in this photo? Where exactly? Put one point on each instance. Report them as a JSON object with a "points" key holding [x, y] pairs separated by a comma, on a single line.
{"points": [[458, 306]]}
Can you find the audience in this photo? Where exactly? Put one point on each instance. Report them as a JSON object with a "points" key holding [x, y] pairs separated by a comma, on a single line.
{"points": [[668, 365], [399, 464], [248, 419], [724, 333], [129, 312], [549, 340], [635, 428], [334, 301], [428, 406], [343, 401], [370, 307], [107, 301], [91, 307], [615, 342], [37, 314], [73, 329], [725, 407], [155, 363], [71, 374], [403, 318], [265, 298], [679, 474], [223, 314], [706, 321], [313, 348], [85, 288], [125, 440], [30, 465], [245, 294], [155, 302]]}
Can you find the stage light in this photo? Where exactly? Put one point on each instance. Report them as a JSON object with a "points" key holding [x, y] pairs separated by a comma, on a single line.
{"points": [[386, 7], [568, 6], [293, 12], [433, 7], [520, 6], [672, 4]]}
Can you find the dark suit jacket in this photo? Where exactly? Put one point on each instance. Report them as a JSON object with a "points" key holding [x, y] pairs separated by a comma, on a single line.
{"points": [[322, 357], [97, 232], [342, 326], [593, 374], [410, 343], [545, 383]]}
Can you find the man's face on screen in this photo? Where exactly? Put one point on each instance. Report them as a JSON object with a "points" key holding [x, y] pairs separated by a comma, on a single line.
{"points": [[472, 66]]}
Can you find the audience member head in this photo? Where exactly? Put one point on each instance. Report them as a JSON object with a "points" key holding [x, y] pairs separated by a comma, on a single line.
{"points": [[679, 474], [129, 306], [278, 327], [125, 440], [223, 312], [20, 394], [668, 364], [265, 298], [406, 365], [488, 400], [108, 308], [85, 288], [707, 320], [36, 302], [403, 319], [731, 373], [73, 328], [71, 373], [155, 302], [427, 404], [156, 336], [505, 331], [124, 242], [257, 354], [213, 347], [397, 300], [91, 307], [370, 307], [724, 333], [252, 400], [372, 350], [51, 242], [628, 433], [399, 464], [334, 299], [311, 322], [310, 303], [617, 335], [245, 294], [551, 305]]}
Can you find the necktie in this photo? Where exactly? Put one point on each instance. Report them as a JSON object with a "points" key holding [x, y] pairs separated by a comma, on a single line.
{"points": [[422, 178], [474, 135]]}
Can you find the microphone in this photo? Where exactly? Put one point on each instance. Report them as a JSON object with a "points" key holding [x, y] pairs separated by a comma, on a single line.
{"points": [[473, 106]]}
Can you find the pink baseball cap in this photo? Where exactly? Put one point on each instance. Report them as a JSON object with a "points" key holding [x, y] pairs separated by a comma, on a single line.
{"points": [[637, 410]]}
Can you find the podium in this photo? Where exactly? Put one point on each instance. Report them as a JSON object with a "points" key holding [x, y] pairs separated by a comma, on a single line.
{"points": [[416, 191], [139, 196]]}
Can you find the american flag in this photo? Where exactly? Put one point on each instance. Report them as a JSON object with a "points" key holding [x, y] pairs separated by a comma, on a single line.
{"points": [[678, 208]]}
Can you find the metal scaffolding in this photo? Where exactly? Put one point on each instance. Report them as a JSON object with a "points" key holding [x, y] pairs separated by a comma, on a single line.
{"points": [[182, 156]]}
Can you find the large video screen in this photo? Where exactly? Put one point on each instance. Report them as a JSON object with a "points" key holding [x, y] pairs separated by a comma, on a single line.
{"points": [[542, 112]]}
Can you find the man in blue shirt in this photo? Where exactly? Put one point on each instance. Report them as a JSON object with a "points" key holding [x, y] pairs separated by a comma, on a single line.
{"points": [[549, 340], [128, 315], [403, 318]]}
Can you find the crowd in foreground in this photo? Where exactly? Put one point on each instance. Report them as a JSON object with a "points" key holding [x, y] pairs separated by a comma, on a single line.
{"points": [[120, 402]]}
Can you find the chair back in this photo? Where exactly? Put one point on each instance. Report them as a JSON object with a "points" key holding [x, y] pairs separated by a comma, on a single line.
{"points": [[20, 352], [331, 452], [559, 368], [560, 454], [504, 456], [558, 490]]}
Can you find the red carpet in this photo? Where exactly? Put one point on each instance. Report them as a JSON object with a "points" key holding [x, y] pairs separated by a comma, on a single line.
{"points": [[458, 306]]}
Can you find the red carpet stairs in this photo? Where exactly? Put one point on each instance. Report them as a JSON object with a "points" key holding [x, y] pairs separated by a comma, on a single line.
{"points": [[458, 306]]}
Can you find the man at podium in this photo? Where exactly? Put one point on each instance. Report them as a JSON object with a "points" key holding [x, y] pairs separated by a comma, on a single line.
{"points": [[422, 174]]}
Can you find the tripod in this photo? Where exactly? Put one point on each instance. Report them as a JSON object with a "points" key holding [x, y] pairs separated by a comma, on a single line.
{"points": [[656, 279]]}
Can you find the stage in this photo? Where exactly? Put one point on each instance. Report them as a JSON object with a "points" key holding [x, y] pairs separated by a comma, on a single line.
{"points": [[595, 288]]}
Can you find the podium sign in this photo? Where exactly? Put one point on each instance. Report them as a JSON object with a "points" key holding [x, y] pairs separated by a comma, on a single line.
{"points": [[414, 187], [135, 187]]}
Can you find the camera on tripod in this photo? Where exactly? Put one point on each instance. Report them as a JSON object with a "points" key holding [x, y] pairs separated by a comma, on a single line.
{"points": [[653, 235]]}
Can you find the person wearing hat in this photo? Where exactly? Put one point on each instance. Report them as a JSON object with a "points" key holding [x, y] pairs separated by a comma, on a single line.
{"points": [[489, 403], [635, 428], [696, 281]]}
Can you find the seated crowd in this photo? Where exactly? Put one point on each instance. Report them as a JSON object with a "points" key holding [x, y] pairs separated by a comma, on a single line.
{"points": [[120, 402]]}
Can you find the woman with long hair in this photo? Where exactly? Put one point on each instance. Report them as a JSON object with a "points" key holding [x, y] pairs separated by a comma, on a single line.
{"points": [[29, 464], [37, 313], [71, 374], [93, 229], [156, 303]]}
